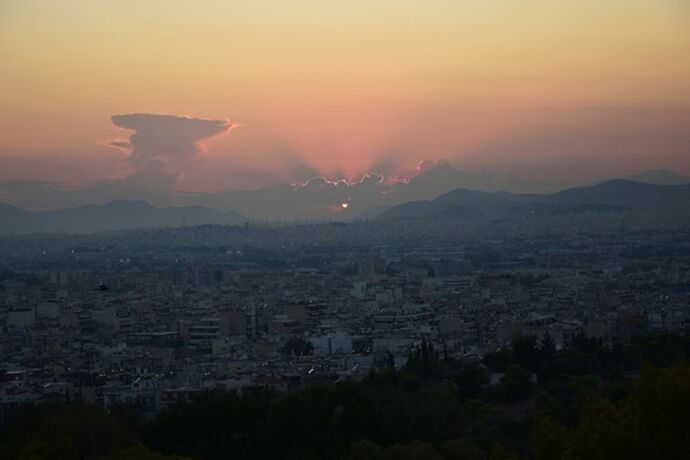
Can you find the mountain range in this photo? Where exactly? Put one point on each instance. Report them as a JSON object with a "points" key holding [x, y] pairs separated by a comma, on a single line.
{"points": [[316, 198], [661, 177], [438, 190], [319, 198], [116, 215], [610, 196]]}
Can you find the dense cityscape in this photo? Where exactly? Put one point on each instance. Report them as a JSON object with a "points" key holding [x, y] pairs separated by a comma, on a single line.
{"points": [[155, 316]]}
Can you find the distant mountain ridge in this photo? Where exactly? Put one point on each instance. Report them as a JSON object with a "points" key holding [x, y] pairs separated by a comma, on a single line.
{"points": [[625, 193], [610, 196], [7, 211], [317, 198], [661, 177], [116, 215], [437, 191], [321, 199]]}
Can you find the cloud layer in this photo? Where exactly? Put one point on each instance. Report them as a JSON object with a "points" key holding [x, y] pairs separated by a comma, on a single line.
{"points": [[161, 138]]}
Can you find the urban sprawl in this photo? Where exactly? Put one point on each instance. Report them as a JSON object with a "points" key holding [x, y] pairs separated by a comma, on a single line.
{"points": [[153, 317]]}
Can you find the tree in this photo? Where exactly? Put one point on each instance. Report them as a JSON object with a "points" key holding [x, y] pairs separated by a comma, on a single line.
{"points": [[64, 432], [547, 347], [516, 384], [140, 452], [525, 352], [501, 453], [459, 449], [416, 450], [364, 450], [651, 422]]}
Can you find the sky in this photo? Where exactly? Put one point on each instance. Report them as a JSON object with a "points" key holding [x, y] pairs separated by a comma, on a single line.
{"points": [[243, 94]]}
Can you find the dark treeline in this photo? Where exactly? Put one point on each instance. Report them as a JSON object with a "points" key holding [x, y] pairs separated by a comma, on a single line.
{"points": [[588, 401]]}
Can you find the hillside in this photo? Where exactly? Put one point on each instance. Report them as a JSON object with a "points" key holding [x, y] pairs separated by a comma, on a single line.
{"points": [[610, 196], [116, 215]]}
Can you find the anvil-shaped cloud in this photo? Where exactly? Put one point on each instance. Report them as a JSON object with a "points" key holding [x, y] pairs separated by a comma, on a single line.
{"points": [[161, 137]]}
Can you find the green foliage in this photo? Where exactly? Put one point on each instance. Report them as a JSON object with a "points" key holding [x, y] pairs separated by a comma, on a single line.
{"points": [[364, 450], [389, 408], [651, 422], [587, 356], [501, 453], [525, 352], [63, 432], [516, 384], [415, 450], [140, 452], [583, 407]]}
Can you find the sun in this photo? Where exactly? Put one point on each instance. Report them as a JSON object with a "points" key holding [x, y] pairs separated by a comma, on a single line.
{"points": [[344, 205]]}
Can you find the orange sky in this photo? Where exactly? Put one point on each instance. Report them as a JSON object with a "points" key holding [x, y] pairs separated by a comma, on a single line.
{"points": [[340, 87]]}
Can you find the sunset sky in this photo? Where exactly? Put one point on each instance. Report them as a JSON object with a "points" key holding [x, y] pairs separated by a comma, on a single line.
{"points": [[582, 89]]}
